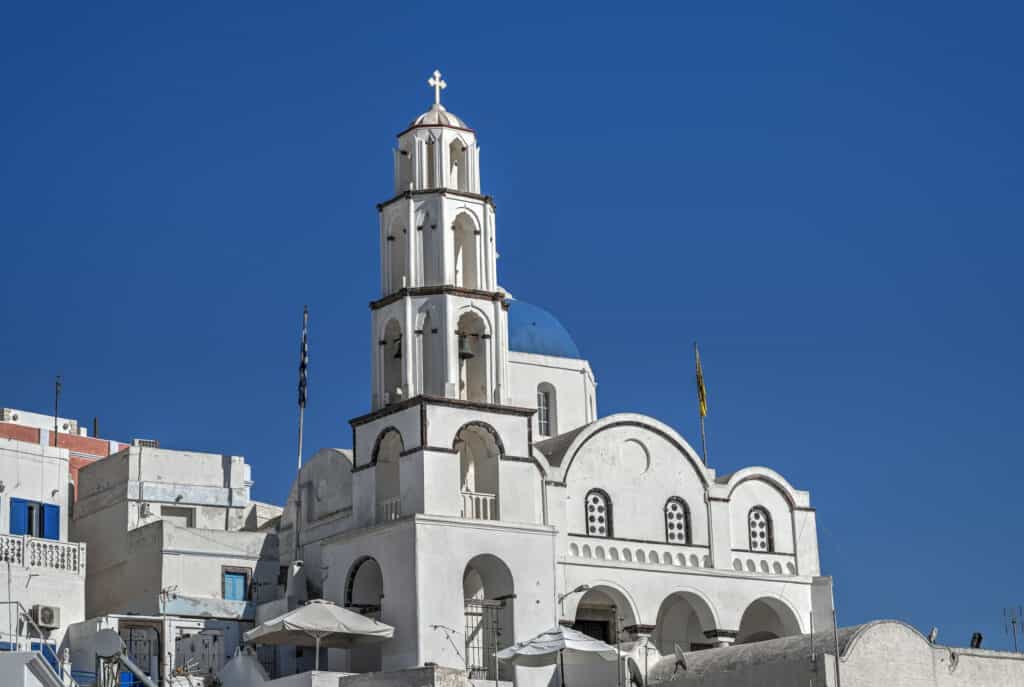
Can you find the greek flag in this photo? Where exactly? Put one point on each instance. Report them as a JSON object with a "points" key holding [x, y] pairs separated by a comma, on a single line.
{"points": [[304, 358]]}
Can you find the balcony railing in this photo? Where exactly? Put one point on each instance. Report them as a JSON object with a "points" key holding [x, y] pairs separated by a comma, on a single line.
{"points": [[479, 506], [42, 554], [389, 510]]}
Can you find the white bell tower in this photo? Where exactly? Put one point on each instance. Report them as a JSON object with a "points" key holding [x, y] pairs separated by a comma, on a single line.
{"points": [[440, 327]]}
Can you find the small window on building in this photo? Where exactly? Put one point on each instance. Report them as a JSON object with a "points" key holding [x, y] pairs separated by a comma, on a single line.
{"points": [[547, 410], [677, 521], [760, 525], [178, 515], [35, 519], [599, 514], [236, 584]]}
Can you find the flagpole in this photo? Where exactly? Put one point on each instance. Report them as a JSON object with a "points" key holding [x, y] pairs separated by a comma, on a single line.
{"points": [[703, 440], [702, 403]]}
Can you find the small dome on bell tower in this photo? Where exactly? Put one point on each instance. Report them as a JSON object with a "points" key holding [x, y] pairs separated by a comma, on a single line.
{"points": [[437, 151]]}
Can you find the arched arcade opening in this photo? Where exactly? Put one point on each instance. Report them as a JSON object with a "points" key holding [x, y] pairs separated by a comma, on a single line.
{"points": [[488, 593], [767, 618]]}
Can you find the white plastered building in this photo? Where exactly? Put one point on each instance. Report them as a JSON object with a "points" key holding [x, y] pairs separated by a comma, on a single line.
{"points": [[180, 556], [483, 501]]}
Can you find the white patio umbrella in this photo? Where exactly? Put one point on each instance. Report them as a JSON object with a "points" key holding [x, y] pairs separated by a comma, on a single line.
{"points": [[554, 645], [320, 623]]}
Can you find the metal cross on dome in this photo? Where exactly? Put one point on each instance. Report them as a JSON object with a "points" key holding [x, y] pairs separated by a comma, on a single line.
{"points": [[438, 85]]}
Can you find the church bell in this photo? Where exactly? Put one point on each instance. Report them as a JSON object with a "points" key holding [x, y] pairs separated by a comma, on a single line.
{"points": [[465, 352]]}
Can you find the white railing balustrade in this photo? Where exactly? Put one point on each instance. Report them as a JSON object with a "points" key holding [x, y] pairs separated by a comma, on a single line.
{"points": [[479, 506], [389, 510], [42, 554]]}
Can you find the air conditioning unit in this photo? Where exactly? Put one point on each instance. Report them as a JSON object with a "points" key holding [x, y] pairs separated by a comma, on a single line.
{"points": [[46, 617]]}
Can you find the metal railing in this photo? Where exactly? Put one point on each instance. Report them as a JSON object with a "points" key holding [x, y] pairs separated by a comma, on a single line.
{"points": [[15, 639], [479, 506], [389, 510], [42, 554]]}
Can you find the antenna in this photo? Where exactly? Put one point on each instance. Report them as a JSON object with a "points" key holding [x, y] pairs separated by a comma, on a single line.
{"points": [[1012, 617]]}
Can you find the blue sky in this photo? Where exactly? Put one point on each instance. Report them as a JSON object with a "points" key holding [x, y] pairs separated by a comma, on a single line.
{"points": [[828, 198]]}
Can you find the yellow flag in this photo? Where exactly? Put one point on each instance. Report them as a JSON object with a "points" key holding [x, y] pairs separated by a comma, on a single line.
{"points": [[702, 393]]}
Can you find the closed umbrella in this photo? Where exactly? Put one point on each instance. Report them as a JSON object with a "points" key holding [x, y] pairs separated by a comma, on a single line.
{"points": [[320, 624], [556, 645]]}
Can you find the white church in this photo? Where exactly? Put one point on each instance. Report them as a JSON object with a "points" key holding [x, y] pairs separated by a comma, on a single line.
{"points": [[484, 500]]}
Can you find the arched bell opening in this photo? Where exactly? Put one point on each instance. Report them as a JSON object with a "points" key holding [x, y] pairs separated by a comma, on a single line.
{"points": [[390, 360], [472, 339], [767, 618], [364, 594], [466, 255], [488, 592], [479, 449], [458, 165]]}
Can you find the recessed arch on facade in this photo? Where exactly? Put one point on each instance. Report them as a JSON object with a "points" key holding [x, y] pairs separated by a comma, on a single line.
{"points": [[793, 497]]}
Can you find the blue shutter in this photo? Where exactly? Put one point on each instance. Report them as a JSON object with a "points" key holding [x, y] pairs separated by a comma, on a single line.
{"points": [[19, 516], [234, 586], [51, 521]]}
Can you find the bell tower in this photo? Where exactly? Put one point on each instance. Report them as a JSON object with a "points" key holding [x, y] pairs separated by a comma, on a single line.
{"points": [[440, 326]]}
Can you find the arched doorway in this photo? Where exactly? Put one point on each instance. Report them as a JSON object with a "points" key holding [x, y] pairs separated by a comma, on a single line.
{"points": [[682, 620], [364, 593], [767, 618], [388, 476], [488, 593], [480, 450]]}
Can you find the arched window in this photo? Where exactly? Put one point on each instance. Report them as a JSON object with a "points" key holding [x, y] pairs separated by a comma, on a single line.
{"points": [[598, 514], [677, 521], [547, 415], [760, 526]]}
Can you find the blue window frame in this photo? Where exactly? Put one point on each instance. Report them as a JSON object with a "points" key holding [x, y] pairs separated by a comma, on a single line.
{"points": [[235, 583], [35, 519]]}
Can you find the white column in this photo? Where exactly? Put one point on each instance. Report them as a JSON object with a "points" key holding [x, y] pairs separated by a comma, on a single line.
{"points": [[408, 383], [376, 400], [449, 348]]}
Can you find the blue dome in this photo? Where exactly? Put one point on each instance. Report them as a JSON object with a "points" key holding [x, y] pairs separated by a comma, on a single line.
{"points": [[535, 330]]}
